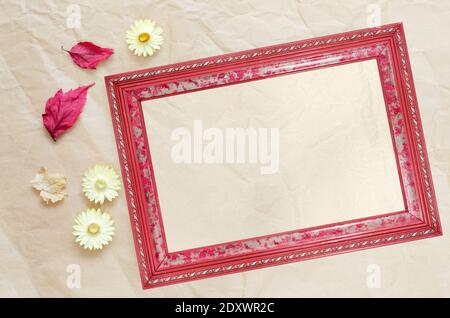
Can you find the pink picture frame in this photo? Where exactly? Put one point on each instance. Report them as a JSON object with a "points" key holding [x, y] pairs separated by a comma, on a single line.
{"points": [[386, 44]]}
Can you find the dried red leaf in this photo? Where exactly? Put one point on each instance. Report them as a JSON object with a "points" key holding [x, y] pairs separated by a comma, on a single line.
{"points": [[88, 55], [63, 109]]}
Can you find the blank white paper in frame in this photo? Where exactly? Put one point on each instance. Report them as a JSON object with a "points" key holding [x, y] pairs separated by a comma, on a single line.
{"points": [[335, 156]]}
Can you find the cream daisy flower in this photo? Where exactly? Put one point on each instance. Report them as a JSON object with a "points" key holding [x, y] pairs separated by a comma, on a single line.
{"points": [[144, 37], [93, 229], [100, 182]]}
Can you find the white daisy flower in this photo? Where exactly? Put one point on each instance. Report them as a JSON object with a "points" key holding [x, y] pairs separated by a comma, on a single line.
{"points": [[93, 229], [144, 37], [100, 182]]}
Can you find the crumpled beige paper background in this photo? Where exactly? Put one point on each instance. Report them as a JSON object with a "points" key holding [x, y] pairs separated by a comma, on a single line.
{"points": [[36, 244]]}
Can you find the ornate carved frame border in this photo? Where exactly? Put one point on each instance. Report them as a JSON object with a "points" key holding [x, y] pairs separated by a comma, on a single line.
{"points": [[385, 44]]}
